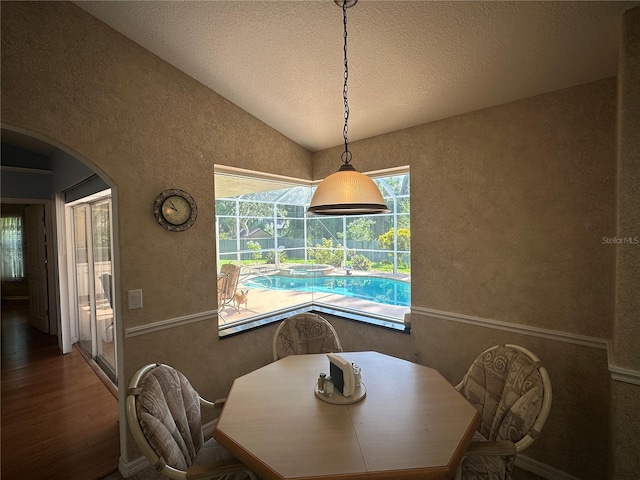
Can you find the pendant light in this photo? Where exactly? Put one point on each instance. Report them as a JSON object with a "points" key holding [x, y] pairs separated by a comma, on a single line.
{"points": [[347, 192]]}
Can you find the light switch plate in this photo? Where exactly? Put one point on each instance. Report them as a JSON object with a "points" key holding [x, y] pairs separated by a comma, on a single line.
{"points": [[135, 299]]}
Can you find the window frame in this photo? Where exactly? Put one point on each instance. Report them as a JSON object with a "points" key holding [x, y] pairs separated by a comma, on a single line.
{"points": [[16, 245], [242, 251]]}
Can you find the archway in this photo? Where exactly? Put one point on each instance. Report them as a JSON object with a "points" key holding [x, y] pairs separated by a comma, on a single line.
{"points": [[38, 170]]}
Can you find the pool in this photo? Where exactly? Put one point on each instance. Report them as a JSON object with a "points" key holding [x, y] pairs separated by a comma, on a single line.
{"points": [[374, 289]]}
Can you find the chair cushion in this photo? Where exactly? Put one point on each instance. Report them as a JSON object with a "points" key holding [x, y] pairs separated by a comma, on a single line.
{"points": [[169, 414], [506, 388], [489, 467], [521, 416], [306, 333]]}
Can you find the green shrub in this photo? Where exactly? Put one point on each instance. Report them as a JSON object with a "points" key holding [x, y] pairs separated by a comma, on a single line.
{"points": [[255, 246], [270, 257], [360, 262], [385, 241], [325, 253]]}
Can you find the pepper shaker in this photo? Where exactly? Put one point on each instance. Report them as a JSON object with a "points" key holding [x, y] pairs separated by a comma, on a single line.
{"points": [[328, 386]]}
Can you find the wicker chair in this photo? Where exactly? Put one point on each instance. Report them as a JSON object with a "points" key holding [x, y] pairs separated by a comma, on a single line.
{"points": [[163, 413], [305, 333], [512, 391], [227, 289]]}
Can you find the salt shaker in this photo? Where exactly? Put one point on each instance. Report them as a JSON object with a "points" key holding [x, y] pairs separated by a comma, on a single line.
{"points": [[321, 381], [357, 374], [328, 386]]}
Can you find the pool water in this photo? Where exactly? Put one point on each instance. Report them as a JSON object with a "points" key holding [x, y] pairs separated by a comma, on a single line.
{"points": [[375, 289]]}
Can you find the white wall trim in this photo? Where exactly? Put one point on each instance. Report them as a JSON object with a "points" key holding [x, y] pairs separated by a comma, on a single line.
{"points": [[542, 469], [170, 323], [620, 374], [625, 375], [556, 335], [128, 469]]}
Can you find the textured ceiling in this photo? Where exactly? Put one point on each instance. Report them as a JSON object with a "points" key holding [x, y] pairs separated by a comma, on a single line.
{"points": [[409, 62]]}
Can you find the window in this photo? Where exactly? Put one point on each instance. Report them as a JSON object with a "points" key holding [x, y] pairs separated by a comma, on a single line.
{"points": [[12, 248], [289, 260]]}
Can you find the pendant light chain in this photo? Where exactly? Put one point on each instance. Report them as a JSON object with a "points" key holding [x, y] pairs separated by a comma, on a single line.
{"points": [[346, 156], [347, 192]]}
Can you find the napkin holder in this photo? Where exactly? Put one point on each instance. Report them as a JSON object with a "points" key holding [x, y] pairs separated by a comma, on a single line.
{"points": [[341, 372]]}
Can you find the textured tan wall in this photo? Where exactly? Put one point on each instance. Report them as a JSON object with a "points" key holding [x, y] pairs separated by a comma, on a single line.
{"points": [[356, 337], [516, 200], [624, 459], [146, 126], [625, 421], [627, 326], [509, 206]]}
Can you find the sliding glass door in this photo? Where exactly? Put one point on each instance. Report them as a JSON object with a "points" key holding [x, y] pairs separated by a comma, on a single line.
{"points": [[102, 271], [93, 271], [82, 277]]}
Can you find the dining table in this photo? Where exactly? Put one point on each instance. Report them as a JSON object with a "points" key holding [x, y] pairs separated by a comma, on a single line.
{"points": [[407, 422]]}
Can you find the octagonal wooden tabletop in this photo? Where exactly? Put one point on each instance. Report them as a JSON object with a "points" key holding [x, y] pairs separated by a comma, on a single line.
{"points": [[411, 424]]}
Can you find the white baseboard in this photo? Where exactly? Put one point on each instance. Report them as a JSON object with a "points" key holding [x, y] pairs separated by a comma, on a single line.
{"points": [[542, 469], [128, 469]]}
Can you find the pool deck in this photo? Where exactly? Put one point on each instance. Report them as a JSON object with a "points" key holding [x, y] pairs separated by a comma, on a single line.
{"points": [[260, 300]]}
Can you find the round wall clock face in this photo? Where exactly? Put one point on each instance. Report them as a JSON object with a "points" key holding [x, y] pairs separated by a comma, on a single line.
{"points": [[175, 210]]}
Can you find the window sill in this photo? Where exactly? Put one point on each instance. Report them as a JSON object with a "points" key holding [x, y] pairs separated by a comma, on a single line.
{"points": [[380, 322]]}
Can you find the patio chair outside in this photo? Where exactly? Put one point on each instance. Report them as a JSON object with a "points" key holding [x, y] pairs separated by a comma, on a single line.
{"points": [[227, 290]]}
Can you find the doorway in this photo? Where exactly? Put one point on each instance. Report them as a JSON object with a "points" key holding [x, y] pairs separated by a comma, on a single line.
{"points": [[91, 279], [37, 261]]}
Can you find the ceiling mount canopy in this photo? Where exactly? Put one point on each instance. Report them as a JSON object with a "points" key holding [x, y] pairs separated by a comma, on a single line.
{"points": [[347, 192]]}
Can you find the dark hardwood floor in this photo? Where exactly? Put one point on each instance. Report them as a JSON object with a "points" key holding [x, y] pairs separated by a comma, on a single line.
{"points": [[58, 419]]}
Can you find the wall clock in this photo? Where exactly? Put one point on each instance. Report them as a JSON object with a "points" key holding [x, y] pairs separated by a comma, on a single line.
{"points": [[175, 210]]}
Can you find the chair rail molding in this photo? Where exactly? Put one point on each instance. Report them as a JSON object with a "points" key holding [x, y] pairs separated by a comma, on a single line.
{"points": [[625, 375], [557, 335], [170, 323], [620, 374]]}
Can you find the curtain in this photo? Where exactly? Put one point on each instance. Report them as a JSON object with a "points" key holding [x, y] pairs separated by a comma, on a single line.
{"points": [[12, 254]]}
